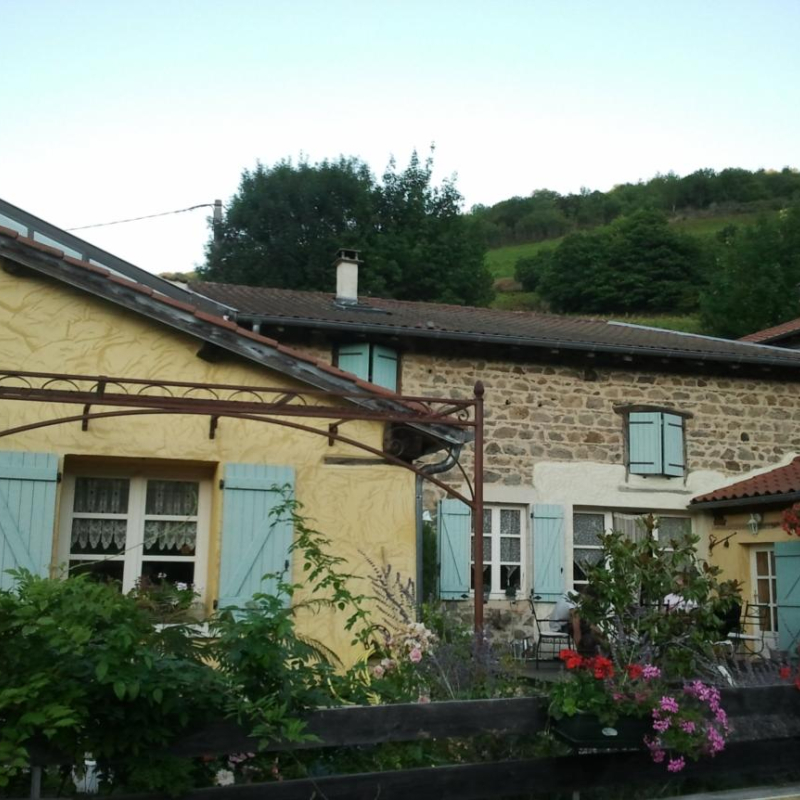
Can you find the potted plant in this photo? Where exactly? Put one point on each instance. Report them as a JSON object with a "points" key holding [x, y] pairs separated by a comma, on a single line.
{"points": [[600, 706], [645, 689]]}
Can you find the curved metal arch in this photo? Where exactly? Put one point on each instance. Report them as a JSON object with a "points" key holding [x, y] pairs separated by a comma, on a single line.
{"points": [[252, 417]]}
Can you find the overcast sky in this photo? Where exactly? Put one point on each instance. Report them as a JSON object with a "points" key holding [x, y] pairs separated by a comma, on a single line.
{"points": [[112, 109]]}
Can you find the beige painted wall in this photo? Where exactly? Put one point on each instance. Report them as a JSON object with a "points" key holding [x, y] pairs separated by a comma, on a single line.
{"points": [[735, 559], [48, 327]]}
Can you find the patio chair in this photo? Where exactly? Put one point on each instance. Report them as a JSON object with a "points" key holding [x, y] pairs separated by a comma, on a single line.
{"points": [[556, 640], [749, 633]]}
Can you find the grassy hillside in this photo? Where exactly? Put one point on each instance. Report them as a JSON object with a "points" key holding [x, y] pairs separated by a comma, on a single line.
{"points": [[502, 260]]}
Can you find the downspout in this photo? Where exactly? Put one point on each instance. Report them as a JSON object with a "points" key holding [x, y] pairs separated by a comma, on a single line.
{"points": [[450, 460]]}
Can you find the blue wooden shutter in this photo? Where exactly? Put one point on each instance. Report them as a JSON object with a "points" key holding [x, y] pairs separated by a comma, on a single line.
{"points": [[673, 445], [455, 532], [384, 367], [27, 512], [254, 542], [548, 552], [355, 358], [787, 580], [645, 451]]}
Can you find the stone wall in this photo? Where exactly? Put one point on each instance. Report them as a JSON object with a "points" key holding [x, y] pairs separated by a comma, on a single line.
{"points": [[539, 414], [557, 413]]}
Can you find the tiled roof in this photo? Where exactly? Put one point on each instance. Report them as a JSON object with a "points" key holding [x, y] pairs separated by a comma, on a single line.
{"points": [[775, 332], [433, 320], [211, 320], [779, 481]]}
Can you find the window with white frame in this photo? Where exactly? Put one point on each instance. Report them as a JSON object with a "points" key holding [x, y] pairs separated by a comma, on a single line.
{"points": [[588, 526], [126, 529], [765, 587], [503, 535]]}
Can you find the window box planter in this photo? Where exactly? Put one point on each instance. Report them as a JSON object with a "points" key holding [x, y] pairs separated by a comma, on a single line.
{"points": [[586, 730]]}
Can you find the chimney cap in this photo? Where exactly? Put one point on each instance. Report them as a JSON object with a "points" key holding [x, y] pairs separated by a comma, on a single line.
{"points": [[348, 255]]}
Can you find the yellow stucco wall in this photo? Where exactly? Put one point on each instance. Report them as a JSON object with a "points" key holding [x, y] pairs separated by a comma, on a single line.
{"points": [[48, 327], [735, 559]]}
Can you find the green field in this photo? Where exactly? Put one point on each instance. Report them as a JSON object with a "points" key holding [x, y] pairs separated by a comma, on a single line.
{"points": [[709, 226], [501, 261]]}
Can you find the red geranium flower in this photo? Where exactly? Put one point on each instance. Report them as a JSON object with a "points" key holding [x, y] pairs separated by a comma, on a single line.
{"points": [[603, 668], [571, 659], [565, 655], [797, 681], [784, 672], [634, 671]]}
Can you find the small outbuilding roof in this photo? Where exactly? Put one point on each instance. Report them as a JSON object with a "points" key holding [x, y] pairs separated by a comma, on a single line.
{"points": [[779, 484]]}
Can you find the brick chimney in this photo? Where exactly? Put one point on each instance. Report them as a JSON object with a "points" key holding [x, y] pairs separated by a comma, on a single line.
{"points": [[346, 264]]}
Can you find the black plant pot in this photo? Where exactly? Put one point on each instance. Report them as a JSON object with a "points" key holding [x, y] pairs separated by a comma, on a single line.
{"points": [[586, 730]]}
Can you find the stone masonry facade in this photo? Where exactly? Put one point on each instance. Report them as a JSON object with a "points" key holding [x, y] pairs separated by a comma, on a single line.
{"points": [[538, 413], [559, 413]]}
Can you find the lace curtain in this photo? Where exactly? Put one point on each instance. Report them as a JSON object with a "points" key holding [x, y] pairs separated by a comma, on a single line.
{"points": [[163, 535], [101, 495], [99, 534], [631, 525], [111, 495]]}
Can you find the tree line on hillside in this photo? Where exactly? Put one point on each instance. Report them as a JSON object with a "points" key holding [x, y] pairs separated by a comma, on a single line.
{"points": [[285, 224], [546, 214], [743, 280]]}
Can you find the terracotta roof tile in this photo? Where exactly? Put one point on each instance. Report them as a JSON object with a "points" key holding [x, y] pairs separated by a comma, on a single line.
{"points": [[76, 262], [128, 284], [775, 332], [45, 248], [220, 322], [210, 319], [171, 301], [782, 480]]}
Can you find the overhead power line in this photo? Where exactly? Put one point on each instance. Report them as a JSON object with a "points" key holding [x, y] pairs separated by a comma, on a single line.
{"points": [[147, 216]]}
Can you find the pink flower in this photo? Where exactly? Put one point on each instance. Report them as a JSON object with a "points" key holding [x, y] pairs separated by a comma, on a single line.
{"points": [[715, 741], [676, 764], [669, 704], [415, 656], [657, 755], [661, 725], [649, 672], [688, 726], [617, 696], [423, 698], [378, 671]]}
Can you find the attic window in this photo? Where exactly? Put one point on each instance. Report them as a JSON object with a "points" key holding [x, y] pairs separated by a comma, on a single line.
{"points": [[656, 443], [370, 362]]}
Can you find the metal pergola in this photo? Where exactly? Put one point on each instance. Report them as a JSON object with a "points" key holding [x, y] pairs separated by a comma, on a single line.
{"points": [[132, 397]]}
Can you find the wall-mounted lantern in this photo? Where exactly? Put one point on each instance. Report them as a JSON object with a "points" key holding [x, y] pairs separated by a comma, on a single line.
{"points": [[753, 523]]}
